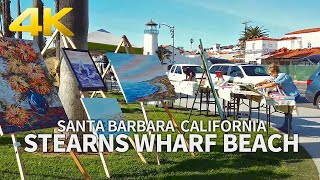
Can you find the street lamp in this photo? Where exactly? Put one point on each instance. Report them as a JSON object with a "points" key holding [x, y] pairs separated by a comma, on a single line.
{"points": [[172, 36], [191, 41]]}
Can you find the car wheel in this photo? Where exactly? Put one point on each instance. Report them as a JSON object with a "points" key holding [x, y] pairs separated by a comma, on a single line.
{"points": [[318, 102]]}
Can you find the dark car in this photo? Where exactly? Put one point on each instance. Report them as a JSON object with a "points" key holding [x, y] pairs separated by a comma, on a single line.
{"points": [[313, 88], [218, 61]]}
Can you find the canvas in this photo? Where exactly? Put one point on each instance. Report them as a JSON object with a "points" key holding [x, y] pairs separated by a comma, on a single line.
{"points": [[84, 69], [28, 99], [103, 109], [141, 78]]}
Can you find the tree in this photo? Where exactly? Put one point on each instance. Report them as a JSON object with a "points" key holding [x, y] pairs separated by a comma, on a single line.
{"points": [[39, 39], [77, 22], [18, 13], [252, 32], [163, 54], [57, 41], [7, 19]]}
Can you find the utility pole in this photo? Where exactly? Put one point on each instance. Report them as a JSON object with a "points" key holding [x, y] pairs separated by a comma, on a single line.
{"points": [[246, 25]]}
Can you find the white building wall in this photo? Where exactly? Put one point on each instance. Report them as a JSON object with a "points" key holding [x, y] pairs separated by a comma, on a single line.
{"points": [[313, 38], [256, 49], [150, 44]]}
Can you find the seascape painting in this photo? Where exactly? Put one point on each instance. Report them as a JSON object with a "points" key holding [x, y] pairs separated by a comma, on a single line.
{"points": [[104, 110], [141, 78], [28, 99], [84, 69]]}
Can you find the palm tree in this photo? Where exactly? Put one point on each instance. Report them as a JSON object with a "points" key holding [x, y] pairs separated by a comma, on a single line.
{"points": [[7, 19], [77, 21], [18, 14], [39, 39], [57, 41], [252, 32], [163, 54]]}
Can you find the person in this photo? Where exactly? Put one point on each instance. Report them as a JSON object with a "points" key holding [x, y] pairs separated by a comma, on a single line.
{"points": [[285, 85], [190, 74]]}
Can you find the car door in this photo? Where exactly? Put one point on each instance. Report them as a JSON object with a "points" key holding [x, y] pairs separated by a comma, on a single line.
{"points": [[172, 74], [213, 70], [225, 72], [179, 75], [236, 74]]}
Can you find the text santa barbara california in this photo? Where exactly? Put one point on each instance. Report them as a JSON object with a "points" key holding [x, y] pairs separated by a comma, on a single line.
{"points": [[161, 126]]}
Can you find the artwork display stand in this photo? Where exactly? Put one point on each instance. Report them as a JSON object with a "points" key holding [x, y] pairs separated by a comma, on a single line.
{"points": [[18, 157], [125, 42], [104, 163], [66, 40]]}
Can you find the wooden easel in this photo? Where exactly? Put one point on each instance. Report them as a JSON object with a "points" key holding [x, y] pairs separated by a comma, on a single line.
{"points": [[17, 153], [66, 40], [128, 46], [124, 42], [104, 163]]}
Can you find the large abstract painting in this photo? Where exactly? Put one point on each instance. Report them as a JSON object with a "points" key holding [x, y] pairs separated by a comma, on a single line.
{"points": [[28, 99], [84, 69], [104, 110], [141, 77]]}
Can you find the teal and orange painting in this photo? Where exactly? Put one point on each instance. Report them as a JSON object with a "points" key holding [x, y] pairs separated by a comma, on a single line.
{"points": [[104, 110], [141, 77]]}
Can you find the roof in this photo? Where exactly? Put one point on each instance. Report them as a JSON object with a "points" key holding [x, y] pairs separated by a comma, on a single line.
{"points": [[304, 31], [272, 39], [103, 37], [263, 38], [285, 53], [151, 23]]}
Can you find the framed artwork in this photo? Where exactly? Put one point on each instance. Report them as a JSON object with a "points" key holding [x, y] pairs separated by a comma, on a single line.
{"points": [[85, 71], [104, 110], [28, 99], [141, 78]]}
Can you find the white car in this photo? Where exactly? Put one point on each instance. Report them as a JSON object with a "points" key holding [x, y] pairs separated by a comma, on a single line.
{"points": [[241, 73], [176, 72]]}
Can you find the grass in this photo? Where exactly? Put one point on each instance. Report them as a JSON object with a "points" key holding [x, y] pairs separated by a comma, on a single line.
{"points": [[103, 48], [213, 165]]}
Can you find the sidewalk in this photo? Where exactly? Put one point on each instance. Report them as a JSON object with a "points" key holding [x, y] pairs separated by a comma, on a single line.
{"points": [[307, 125]]}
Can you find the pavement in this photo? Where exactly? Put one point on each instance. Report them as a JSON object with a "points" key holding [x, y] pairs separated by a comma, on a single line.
{"points": [[306, 124]]}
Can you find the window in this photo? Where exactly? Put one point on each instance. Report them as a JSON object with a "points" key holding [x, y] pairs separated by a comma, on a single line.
{"points": [[172, 69], [196, 69], [235, 71], [253, 45], [255, 70], [214, 69], [309, 45], [224, 70], [178, 70]]}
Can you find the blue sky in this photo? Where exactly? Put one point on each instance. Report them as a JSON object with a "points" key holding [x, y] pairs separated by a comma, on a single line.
{"points": [[214, 21]]}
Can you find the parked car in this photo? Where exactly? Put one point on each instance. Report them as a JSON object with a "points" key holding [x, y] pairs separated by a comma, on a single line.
{"points": [[176, 72], [313, 88], [213, 60], [241, 73]]}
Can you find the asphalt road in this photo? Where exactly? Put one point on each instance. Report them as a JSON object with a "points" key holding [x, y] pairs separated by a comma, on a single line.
{"points": [[303, 102]]}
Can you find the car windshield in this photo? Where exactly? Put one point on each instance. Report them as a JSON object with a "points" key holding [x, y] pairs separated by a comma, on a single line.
{"points": [[255, 71], [196, 69]]}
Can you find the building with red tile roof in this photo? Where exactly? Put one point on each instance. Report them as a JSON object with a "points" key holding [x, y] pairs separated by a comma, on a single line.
{"points": [[296, 44]]}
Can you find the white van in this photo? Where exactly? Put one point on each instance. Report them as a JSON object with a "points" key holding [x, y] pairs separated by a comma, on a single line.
{"points": [[241, 73], [176, 72]]}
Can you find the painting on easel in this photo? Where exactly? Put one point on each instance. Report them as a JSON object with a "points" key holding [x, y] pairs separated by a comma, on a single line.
{"points": [[104, 110], [141, 78], [84, 69], [28, 99]]}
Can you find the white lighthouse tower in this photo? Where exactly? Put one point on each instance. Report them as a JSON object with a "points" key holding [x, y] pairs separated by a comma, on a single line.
{"points": [[150, 45]]}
